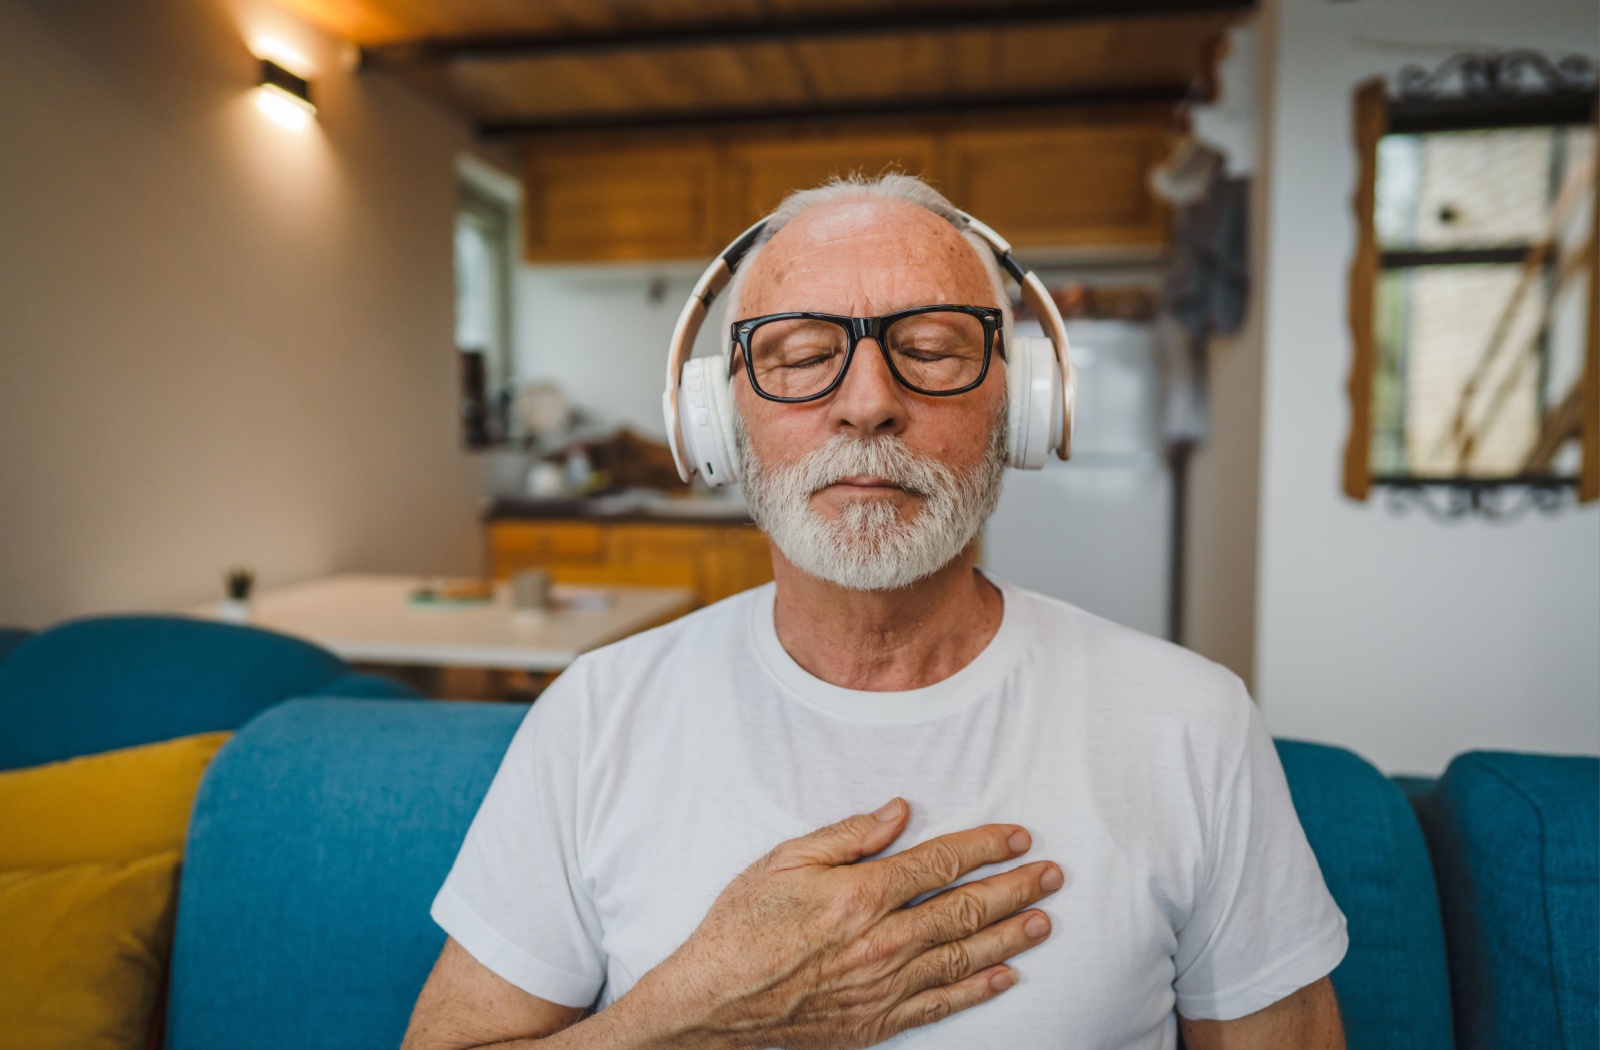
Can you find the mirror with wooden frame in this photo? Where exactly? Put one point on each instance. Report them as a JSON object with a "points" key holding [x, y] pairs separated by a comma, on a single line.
{"points": [[1473, 290]]}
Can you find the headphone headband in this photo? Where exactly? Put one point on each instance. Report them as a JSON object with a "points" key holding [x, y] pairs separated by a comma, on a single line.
{"points": [[717, 276]]}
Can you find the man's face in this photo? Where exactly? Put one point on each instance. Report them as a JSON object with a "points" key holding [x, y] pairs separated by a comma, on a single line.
{"points": [[917, 469]]}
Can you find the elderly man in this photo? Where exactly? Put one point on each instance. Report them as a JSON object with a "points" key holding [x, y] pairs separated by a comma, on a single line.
{"points": [[1067, 834]]}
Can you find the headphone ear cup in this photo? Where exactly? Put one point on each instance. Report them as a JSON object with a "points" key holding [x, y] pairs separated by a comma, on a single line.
{"points": [[705, 407], [1019, 377], [1034, 399], [722, 410]]}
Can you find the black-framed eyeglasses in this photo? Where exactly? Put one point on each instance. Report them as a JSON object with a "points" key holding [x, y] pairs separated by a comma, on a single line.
{"points": [[939, 351]]}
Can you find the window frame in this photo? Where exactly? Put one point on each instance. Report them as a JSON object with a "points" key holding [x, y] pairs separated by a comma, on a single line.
{"points": [[1421, 108]]}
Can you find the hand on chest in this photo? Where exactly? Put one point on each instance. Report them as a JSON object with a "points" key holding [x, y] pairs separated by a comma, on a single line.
{"points": [[1113, 919]]}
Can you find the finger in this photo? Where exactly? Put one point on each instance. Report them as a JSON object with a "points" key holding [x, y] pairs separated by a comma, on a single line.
{"points": [[973, 906], [936, 1004], [949, 963], [938, 862], [848, 840]]}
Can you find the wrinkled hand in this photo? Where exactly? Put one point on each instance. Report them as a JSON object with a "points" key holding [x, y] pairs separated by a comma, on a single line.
{"points": [[807, 948]]}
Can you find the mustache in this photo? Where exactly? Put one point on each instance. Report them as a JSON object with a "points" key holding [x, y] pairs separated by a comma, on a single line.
{"points": [[887, 457]]}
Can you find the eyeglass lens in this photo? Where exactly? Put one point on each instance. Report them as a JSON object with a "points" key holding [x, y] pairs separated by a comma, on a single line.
{"points": [[937, 352]]}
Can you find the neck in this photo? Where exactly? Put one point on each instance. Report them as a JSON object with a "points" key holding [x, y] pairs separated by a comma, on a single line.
{"points": [[882, 641]]}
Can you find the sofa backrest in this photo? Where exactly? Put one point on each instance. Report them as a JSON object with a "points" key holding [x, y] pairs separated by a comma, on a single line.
{"points": [[1517, 840], [10, 638], [107, 682], [324, 828], [320, 834], [1393, 985]]}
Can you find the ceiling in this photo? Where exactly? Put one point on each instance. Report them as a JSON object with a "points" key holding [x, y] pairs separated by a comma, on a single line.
{"points": [[521, 67]]}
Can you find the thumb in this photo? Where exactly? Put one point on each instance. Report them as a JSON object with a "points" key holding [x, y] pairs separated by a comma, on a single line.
{"points": [[851, 838]]}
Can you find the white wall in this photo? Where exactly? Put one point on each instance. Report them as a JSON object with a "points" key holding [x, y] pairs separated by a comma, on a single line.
{"points": [[1219, 604], [1403, 638], [601, 332], [220, 341]]}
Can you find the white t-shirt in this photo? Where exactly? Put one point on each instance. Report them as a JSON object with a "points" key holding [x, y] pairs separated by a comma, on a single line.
{"points": [[656, 769]]}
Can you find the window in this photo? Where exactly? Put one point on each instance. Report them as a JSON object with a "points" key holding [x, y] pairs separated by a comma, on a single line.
{"points": [[1472, 292], [484, 248]]}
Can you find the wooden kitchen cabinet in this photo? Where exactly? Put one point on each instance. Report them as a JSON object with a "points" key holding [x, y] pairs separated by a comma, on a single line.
{"points": [[609, 204], [715, 560], [758, 175], [1065, 183], [1060, 186]]}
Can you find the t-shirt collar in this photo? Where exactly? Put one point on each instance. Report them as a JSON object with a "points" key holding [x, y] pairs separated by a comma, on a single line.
{"points": [[982, 676]]}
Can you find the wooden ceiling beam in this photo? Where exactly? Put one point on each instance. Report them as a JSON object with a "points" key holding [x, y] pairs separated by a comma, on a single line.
{"points": [[933, 18], [765, 116]]}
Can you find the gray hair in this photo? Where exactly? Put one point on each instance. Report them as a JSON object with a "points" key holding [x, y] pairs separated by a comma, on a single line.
{"points": [[855, 186]]}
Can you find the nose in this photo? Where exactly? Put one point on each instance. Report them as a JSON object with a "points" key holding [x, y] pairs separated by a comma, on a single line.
{"points": [[869, 401]]}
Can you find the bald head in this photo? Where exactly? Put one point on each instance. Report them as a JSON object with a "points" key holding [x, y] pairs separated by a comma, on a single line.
{"points": [[865, 257], [898, 224]]}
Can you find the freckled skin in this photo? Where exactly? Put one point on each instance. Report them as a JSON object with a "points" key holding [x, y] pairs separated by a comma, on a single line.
{"points": [[864, 258]]}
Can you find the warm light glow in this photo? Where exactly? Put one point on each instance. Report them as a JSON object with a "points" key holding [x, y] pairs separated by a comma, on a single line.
{"points": [[282, 108], [271, 47]]}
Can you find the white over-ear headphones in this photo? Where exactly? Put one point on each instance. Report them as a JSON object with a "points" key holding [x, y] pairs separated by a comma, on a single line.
{"points": [[1041, 382]]}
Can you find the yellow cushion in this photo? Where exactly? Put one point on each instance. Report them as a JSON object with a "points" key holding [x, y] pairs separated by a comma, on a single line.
{"points": [[82, 952], [120, 805]]}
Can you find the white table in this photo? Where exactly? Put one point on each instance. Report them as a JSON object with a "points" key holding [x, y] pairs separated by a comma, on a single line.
{"points": [[371, 619]]}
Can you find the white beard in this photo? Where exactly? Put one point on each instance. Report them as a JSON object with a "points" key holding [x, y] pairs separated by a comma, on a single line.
{"points": [[870, 546]]}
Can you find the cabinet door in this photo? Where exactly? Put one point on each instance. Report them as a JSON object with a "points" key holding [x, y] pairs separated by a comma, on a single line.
{"points": [[638, 203], [1067, 185], [760, 174], [740, 559], [517, 545]]}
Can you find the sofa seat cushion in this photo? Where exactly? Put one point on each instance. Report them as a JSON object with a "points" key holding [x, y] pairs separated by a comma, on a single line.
{"points": [[116, 806], [1517, 842], [83, 951]]}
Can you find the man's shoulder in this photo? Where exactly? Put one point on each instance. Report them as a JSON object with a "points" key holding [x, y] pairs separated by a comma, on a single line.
{"points": [[1131, 670]]}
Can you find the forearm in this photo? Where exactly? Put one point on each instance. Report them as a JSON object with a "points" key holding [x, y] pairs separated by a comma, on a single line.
{"points": [[639, 1020], [651, 1016]]}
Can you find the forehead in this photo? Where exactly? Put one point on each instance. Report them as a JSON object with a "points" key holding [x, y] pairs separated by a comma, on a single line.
{"points": [[865, 257]]}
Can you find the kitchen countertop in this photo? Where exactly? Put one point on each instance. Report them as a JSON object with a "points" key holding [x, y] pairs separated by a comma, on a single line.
{"points": [[622, 507]]}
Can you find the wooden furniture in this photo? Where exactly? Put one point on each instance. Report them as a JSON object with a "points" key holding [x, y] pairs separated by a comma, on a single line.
{"points": [[651, 203], [370, 619], [1074, 182], [711, 559]]}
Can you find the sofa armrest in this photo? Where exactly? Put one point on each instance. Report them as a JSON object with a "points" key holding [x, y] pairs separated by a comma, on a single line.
{"points": [[320, 834]]}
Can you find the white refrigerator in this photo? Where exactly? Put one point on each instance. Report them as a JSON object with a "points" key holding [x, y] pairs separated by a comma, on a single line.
{"points": [[1097, 531]]}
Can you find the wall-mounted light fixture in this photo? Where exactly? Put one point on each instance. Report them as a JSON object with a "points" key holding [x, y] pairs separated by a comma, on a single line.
{"points": [[284, 96]]}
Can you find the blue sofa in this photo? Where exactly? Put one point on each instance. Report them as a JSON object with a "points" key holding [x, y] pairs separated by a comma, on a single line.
{"points": [[322, 830], [1514, 842], [104, 682]]}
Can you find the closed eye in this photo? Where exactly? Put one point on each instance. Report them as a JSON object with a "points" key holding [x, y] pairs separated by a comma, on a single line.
{"points": [[809, 362]]}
